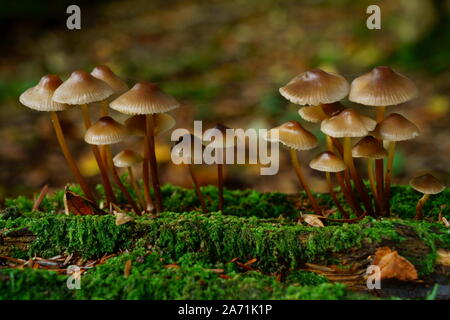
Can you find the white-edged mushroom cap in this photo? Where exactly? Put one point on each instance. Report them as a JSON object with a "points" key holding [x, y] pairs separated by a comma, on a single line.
{"points": [[40, 96], [105, 131]]}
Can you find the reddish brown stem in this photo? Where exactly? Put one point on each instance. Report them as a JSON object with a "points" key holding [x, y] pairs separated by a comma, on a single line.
{"points": [[348, 195], [197, 188], [153, 164], [333, 196], [146, 176]]}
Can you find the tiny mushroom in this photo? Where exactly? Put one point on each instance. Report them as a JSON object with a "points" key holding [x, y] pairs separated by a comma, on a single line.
{"points": [[328, 162], [183, 152], [394, 128], [371, 149], [39, 98], [349, 124], [118, 85], [428, 185], [296, 138], [81, 88], [127, 159], [148, 99], [104, 132]]}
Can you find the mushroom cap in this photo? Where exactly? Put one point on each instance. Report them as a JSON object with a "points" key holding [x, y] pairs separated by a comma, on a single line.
{"points": [[327, 162], [225, 141], [319, 113], [136, 124], [396, 127], [105, 131], [105, 73], [292, 135], [178, 150], [126, 158], [427, 184], [315, 87], [382, 87], [40, 96], [347, 123], [369, 147], [144, 98], [82, 88]]}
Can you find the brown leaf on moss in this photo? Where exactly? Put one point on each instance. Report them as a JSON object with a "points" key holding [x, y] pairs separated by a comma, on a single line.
{"points": [[78, 205], [172, 266], [443, 257], [122, 218], [127, 269], [394, 266], [313, 220]]}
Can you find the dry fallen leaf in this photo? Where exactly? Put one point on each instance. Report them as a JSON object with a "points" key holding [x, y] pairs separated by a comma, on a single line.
{"points": [[78, 205], [394, 266], [172, 266], [313, 220], [122, 218]]}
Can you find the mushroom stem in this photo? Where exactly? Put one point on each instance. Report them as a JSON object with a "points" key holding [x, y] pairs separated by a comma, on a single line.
{"points": [[333, 195], [69, 158], [329, 143], [118, 182], [220, 185], [135, 186], [387, 182], [348, 159], [150, 128], [348, 195], [110, 197], [104, 108], [372, 178], [146, 176], [302, 180], [197, 188], [419, 206], [379, 165]]}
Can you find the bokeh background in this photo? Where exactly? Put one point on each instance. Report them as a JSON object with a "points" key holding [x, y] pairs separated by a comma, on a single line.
{"points": [[224, 60]]}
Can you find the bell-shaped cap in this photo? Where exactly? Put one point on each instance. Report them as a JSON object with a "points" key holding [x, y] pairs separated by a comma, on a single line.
{"points": [[40, 96], [225, 140], [136, 124], [105, 73], [105, 131], [292, 135], [144, 98], [126, 158], [82, 88], [382, 87], [427, 184], [396, 127], [348, 123], [327, 162], [315, 87], [319, 113], [369, 147]]}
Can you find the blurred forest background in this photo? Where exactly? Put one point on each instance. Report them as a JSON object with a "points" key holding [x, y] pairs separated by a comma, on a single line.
{"points": [[224, 60]]}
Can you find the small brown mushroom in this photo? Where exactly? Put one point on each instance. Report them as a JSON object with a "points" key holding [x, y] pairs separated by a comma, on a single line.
{"points": [[328, 162], [147, 99], [428, 185], [39, 98], [104, 132], [296, 138], [127, 159]]}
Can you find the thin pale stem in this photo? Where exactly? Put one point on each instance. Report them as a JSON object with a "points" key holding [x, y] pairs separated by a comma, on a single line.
{"points": [[387, 182], [372, 178], [197, 188], [146, 176], [302, 180], [135, 186], [379, 164], [348, 195], [110, 197], [118, 182], [333, 195], [419, 206], [69, 158], [348, 159], [153, 164]]}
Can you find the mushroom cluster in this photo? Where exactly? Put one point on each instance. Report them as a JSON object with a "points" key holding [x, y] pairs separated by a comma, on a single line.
{"points": [[319, 94]]}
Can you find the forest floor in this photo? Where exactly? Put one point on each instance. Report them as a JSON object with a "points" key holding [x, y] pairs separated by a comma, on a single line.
{"points": [[259, 247]]}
